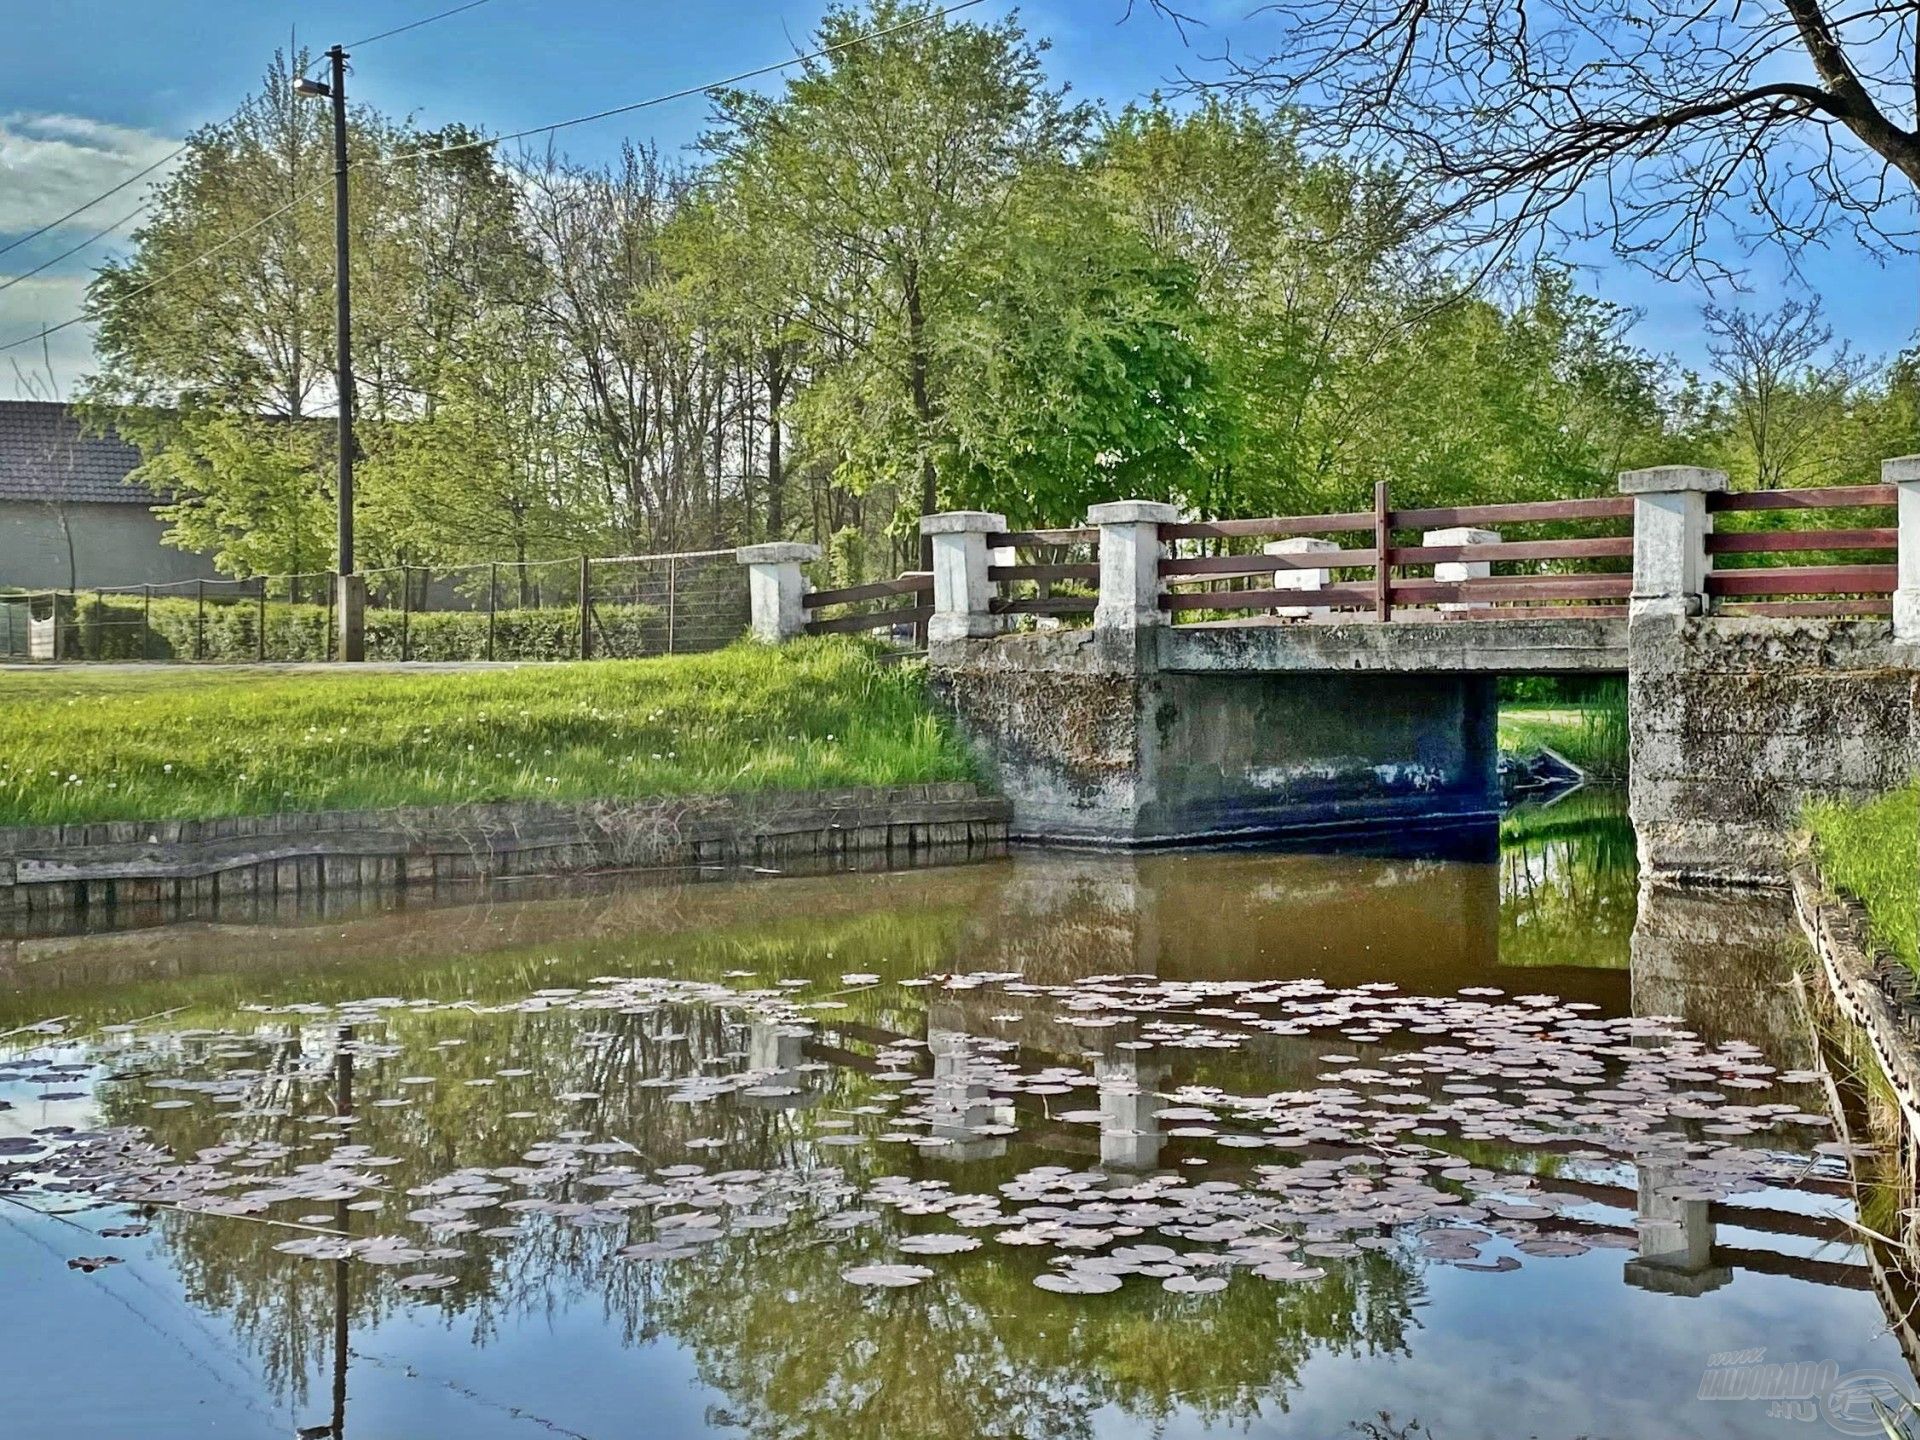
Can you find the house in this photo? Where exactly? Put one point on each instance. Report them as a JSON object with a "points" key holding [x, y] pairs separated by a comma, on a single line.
{"points": [[68, 515]]}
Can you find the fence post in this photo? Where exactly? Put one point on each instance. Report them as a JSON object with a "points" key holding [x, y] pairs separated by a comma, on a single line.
{"points": [[200, 620], [586, 611], [673, 587], [962, 591], [260, 640], [493, 601], [1291, 578], [1670, 529], [146, 622], [1904, 475], [1130, 551], [1382, 553], [1460, 571], [776, 590], [406, 613]]}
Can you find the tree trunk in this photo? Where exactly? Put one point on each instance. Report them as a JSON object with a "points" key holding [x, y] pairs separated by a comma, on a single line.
{"points": [[922, 407]]}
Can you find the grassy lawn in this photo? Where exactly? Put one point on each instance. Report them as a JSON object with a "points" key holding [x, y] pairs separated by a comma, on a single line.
{"points": [[1872, 852], [177, 743], [1592, 735]]}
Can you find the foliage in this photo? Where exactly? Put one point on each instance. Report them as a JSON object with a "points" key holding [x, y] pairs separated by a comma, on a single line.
{"points": [[94, 745], [228, 630], [1872, 852], [915, 273], [1591, 735]]}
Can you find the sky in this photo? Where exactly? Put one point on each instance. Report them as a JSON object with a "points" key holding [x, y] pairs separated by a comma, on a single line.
{"points": [[93, 90]]}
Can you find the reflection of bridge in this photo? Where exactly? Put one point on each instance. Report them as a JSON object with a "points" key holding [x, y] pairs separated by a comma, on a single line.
{"points": [[1717, 963], [1329, 685]]}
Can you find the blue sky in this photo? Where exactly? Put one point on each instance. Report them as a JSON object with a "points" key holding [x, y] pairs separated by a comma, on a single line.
{"points": [[92, 90]]}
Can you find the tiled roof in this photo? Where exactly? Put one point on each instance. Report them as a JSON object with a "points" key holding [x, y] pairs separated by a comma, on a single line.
{"points": [[44, 456]]}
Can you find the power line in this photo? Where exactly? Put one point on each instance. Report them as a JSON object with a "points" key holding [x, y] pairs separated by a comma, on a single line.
{"points": [[179, 269], [169, 158], [414, 24], [863, 38], [133, 214]]}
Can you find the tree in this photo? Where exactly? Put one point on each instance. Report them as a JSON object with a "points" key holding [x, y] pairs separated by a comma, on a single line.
{"points": [[884, 168], [1644, 122]]}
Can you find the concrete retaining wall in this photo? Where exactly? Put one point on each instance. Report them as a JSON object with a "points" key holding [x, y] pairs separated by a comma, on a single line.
{"points": [[67, 868], [1738, 722]]}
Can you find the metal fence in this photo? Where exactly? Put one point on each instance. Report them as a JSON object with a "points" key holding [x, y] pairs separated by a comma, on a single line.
{"points": [[619, 607]]}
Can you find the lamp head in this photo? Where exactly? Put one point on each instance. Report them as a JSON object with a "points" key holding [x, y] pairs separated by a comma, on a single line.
{"points": [[313, 89]]}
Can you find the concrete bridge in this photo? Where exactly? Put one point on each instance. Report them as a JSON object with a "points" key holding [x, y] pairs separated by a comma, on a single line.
{"points": [[1331, 686]]}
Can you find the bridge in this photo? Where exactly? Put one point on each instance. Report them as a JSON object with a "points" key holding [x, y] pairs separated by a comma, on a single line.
{"points": [[1152, 679]]}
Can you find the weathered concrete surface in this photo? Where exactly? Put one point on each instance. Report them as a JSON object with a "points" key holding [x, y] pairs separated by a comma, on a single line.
{"points": [[1446, 647], [64, 868], [1737, 722], [1095, 738]]}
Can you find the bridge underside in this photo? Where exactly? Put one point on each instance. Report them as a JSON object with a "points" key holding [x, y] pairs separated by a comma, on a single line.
{"points": [[1165, 734]]}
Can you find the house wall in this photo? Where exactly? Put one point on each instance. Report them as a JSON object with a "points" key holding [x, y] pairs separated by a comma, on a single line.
{"points": [[113, 544]]}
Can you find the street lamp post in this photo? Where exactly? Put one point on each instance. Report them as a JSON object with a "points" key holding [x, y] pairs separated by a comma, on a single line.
{"points": [[352, 606]]}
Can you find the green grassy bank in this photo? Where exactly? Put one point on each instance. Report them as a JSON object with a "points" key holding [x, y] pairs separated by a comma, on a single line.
{"points": [[186, 744], [1872, 852], [1590, 733]]}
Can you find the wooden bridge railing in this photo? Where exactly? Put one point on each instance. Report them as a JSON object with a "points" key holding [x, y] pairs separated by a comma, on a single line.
{"points": [[1674, 542], [1028, 588], [916, 584], [1750, 575], [1365, 571]]}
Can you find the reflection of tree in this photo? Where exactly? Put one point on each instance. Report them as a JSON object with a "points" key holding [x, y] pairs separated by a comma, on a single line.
{"points": [[979, 1352], [1568, 883]]}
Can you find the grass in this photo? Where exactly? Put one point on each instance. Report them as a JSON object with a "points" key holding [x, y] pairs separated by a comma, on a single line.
{"points": [[1592, 735], [1872, 852], [193, 744]]}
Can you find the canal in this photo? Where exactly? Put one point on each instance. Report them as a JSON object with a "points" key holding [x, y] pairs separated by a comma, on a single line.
{"points": [[1469, 1144]]}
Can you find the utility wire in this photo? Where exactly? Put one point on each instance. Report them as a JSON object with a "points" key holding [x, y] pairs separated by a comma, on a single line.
{"points": [[169, 158], [131, 215], [682, 94]]}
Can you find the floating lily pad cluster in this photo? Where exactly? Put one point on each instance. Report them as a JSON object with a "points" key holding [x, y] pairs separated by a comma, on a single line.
{"points": [[1366, 1151]]}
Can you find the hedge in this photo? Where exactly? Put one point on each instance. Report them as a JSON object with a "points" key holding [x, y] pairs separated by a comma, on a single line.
{"points": [[124, 628]]}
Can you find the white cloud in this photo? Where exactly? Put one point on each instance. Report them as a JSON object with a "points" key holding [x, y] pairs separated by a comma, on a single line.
{"points": [[51, 163], [30, 306]]}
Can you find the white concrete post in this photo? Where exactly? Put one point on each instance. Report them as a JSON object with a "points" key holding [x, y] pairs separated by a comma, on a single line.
{"points": [[776, 588], [1291, 579], [1452, 572], [1904, 475], [962, 593], [1670, 529], [1130, 553]]}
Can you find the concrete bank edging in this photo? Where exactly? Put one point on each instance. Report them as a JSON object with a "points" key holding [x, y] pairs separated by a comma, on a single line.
{"points": [[50, 868], [1874, 992]]}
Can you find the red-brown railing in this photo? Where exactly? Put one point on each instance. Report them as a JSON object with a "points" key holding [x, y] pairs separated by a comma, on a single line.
{"points": [[1027, 588], [1747, 587], [917, 583], [1372, 584]]}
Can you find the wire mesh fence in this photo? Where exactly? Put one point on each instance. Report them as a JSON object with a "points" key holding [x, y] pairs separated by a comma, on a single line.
{"points": [[622, 607]]}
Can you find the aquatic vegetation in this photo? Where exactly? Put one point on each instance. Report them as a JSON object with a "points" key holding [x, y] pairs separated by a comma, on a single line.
{"points": [[1352, 1159], [180, 744]]}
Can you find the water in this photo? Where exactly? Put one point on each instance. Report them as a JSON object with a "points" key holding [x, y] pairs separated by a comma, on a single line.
{"points": [[546, 1074]]}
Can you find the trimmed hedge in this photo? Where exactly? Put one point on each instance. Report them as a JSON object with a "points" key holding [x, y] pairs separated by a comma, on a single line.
{"points": [[122, 628]]}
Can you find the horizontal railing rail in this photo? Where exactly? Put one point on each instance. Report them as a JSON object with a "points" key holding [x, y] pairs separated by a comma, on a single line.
{"points": [[1770, 573], [1028, 586], [916, 583], [1341, 574]]}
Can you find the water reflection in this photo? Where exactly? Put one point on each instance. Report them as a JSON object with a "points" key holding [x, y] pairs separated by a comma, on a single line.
{"points": [[547, 1325]]}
